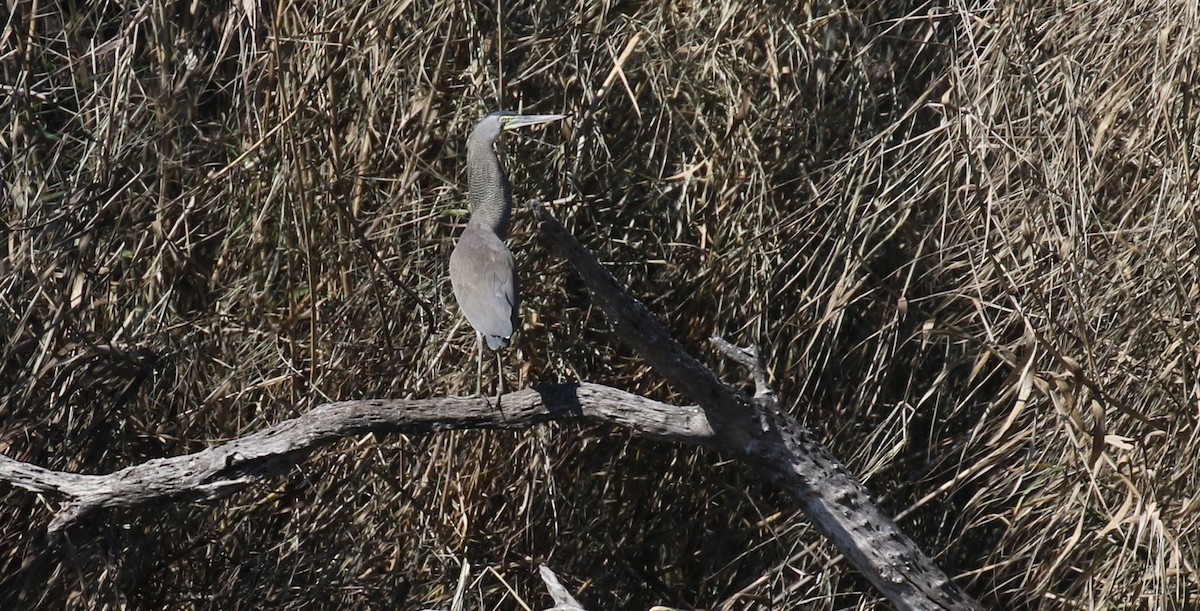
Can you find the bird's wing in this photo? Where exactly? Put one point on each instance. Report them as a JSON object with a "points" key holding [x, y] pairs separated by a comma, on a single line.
{"points": [[484, 275]]}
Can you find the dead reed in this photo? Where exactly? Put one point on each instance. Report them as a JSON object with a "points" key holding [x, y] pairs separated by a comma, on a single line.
{"points": [[964, 234]]}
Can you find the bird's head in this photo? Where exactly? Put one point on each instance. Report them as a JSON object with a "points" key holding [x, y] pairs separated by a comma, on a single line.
{"points": [[490, 127]]}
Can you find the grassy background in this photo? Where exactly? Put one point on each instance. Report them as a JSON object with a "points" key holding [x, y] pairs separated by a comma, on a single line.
{"points": [[964, 234]]}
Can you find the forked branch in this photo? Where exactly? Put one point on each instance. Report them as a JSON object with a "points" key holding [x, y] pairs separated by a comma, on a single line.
{"points": [[753, 429]]}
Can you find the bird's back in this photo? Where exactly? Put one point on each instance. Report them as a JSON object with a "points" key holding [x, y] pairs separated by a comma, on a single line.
{"points": [[484, 276]]}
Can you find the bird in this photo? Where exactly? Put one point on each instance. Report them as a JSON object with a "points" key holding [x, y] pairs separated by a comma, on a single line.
{"points": [[483, 272]]}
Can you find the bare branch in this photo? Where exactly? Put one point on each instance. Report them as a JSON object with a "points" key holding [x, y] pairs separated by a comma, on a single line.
{"points": [[757, 431], [563, 601], [779, 447], [747, 357], [729, 412], [222, 469]]}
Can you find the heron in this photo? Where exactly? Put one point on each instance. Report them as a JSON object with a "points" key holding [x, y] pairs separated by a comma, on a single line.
{"points": [[482, 270]]}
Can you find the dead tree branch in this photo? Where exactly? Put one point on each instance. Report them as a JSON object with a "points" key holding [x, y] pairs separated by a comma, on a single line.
{"points": [[563, 601], [222, 469], [782, 450], [754, 429]]}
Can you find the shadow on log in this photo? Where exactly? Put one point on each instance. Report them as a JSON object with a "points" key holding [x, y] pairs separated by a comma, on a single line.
{"points": [[754, 430]]}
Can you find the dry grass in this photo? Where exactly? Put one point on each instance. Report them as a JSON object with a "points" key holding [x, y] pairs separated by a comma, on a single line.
{"points": [[965, 235]]}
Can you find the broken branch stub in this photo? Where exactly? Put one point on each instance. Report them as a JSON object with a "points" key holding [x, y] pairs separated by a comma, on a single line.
{"points": [[782, 450]]}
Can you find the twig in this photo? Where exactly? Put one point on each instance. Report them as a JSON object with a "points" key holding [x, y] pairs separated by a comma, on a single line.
{"points": [[747, 357]]}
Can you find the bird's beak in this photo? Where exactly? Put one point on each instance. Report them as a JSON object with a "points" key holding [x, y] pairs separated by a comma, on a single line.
{"points": [[527, 120]]}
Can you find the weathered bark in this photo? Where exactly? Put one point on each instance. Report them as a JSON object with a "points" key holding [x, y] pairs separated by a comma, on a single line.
{"points": [[222, 469], [753, 429], [758, 431], [563, 601]]}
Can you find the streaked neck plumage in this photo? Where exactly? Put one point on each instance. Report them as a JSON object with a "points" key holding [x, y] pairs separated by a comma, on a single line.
{"points": [[488, 189]]}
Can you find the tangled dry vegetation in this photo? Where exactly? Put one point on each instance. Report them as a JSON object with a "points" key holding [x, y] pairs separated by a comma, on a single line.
{"points": [[963, 233]]}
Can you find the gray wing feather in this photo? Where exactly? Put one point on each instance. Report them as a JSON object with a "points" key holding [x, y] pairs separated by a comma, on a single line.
{"points": [[484, 276]]}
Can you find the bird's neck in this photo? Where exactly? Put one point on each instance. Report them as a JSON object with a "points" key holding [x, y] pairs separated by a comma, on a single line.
{"points": [[488, 189]]}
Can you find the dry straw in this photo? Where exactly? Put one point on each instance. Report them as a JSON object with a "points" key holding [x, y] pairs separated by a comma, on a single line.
{"points": [[964, 235]]}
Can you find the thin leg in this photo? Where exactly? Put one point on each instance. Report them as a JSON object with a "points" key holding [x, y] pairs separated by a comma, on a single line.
{"points": [[499, 378], [478, 364]]}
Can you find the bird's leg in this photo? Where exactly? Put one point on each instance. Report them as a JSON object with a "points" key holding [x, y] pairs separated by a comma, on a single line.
{"points": [[478, 363], [499, 378]]}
